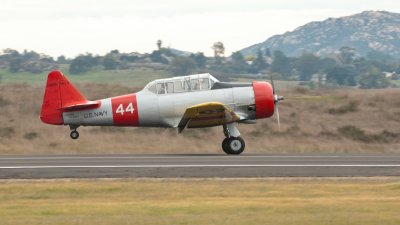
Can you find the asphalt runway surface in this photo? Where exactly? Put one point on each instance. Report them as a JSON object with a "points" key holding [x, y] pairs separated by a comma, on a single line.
{"points": [[199, 165]]}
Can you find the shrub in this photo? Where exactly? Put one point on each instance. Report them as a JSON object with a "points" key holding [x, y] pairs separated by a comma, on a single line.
{"points": [[352, 106], [385, 137], [4, 102], [301, 90], [353, 133], [328, 134], [6, 132], [357, 134], [31, 135]]}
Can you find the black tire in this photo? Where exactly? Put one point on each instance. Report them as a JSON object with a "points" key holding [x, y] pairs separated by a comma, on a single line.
{"points": [[225, 145], [74, 134], [233, 145]]}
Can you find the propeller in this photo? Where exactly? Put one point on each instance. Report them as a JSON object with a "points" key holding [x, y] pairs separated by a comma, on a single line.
{"points": [[277, 99]]}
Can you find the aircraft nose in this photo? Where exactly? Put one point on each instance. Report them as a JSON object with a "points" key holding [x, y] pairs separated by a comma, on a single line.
{"points": [[263, 99]]}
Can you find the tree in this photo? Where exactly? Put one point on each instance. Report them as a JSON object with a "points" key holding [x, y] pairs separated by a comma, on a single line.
{"points": [[30, 55], [115, 52], [238, 59], [159, 44], [199, 59], [382, 66], [379, 56], [395, 76], [128, 58], [167, 52], [182, 65], [307, 65], [239, 64], [15, 65], [281, 63], [82, 63], [268, 52], [10, 53], [346, 54], [373, 79], [326, 64], [78, 65], [157, 56], [362, 65], [343, 75], [110, 62], [219, 49], [397, 70], [259, 63], [61, 59], [46, 59]]}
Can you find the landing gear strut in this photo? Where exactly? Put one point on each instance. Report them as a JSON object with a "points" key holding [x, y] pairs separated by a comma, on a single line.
{"points": [[233, 144], [74, 133]]}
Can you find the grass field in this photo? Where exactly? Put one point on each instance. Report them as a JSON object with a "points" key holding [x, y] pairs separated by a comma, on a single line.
{"points": [[330, 120], [347, 120], [197, 201]]}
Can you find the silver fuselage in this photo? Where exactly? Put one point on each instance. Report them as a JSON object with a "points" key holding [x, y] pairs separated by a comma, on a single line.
{"points": [[164, 110]]}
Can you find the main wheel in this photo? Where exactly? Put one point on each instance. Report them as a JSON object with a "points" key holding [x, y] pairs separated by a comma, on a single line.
{"points": [[233, 145], [74, 134], [225, 145]]}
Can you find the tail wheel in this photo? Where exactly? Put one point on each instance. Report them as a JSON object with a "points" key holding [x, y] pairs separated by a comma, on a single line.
{"points": [[233, 145], [74, 134]]}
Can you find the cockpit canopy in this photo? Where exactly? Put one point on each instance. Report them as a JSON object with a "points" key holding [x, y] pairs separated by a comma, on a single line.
{"points": [[196, 82]]}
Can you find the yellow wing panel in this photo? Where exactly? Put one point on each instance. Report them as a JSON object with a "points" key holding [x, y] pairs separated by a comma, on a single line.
{"points": [[207, 115]]}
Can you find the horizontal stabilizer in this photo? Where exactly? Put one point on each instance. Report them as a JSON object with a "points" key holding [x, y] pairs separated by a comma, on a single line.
{"points": [[82, 106]]}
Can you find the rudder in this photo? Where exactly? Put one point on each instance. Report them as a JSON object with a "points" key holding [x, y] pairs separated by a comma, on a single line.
{"points": [[59, 93]]}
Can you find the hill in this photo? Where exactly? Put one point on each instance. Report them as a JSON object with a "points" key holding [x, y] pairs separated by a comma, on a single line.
{"points": [[366, 32]]}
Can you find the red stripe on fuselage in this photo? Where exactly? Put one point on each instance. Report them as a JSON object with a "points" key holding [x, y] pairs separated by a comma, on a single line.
{"points": [[125, 111]]}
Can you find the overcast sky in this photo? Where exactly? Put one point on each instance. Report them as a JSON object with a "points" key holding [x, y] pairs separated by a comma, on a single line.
{"points": [[71, 27]]}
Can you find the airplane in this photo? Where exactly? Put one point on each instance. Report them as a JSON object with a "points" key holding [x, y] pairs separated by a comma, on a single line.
{"points": [[192, 101]]}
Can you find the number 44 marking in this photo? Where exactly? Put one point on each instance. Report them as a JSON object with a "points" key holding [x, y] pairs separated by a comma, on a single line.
{"points": [[121, 110]]}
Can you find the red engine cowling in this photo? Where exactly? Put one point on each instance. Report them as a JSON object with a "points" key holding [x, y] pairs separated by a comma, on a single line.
{"points": [[264, 99]]}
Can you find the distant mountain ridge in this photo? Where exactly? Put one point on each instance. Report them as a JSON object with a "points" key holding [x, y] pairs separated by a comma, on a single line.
{"points": [[367, 31]]}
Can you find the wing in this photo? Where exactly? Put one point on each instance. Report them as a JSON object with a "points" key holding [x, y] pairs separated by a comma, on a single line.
{"points": [[207, 115]]}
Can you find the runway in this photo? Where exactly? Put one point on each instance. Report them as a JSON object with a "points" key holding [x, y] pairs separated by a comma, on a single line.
{"points": [[199, 165]]}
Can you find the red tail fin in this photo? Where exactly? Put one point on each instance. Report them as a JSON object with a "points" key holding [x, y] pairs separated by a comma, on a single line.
{"points": [[60, 93]]}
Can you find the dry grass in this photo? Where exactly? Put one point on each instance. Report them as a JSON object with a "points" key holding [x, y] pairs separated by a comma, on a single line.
{"points": [[312, 121], [198, 201]]}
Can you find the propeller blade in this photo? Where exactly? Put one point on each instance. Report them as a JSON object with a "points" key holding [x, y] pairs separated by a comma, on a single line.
{"points": [[277, 117], [273, 86], [277, 98]]}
